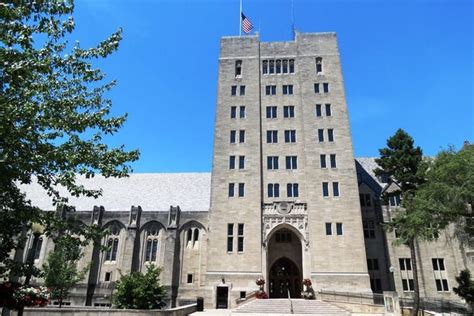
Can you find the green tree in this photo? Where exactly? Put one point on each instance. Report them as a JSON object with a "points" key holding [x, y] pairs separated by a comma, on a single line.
{"points": [[54, 114], [60, 271], [140, 291], [465, 287], [403, 162]]}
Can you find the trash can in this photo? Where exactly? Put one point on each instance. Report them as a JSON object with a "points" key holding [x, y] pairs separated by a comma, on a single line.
{"points": [[200, 304]]}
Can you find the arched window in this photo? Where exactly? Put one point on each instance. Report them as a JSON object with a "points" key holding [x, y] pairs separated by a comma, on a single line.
{"points": [[39, 244], [112, 243], [278, 66], [285, 66], [292, 66], [189, 237], [196, 235], [271, 69], [152, 240], [265, 67], [319, 65]]}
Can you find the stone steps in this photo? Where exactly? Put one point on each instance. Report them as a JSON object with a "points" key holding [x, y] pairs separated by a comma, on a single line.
{"points": [[283, 306]]}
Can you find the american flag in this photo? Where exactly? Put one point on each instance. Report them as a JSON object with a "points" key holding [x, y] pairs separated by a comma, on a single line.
{"points": [[246, 24]]}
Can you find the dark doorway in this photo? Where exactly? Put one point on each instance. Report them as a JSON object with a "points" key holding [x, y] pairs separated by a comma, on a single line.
{"points": [[285, 276], [222, 295]]}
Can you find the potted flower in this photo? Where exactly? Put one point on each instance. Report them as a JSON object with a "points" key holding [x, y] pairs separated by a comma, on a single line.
{"points": [[29, 296], [261, 292], [308, 293]]}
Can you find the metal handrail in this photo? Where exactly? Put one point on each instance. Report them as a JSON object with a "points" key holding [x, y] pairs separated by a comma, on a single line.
{"points": [[291, 302]]}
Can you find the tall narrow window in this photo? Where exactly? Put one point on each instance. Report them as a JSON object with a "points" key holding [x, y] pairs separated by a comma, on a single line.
{"points": [[291, 162], [319, 65], [273, 190], [233, 112], [339, 230], [112, 243], [285, 66], [326, 87], [292, 190], [151, 244], [241, 189], [231, 162], [230, 237], [271, 69], [321, 135], [316, 88], [330, 135], [242, 136], [290, 136], [238, 68], [318, 110], [325, 189], [292, 66], [242, 90], [265, 67], [240, 236], [328, 109], [272, 137], [241, 162], [335, 188], [231, 189], [272, 162], [288, 111], [271, 112], [332, 158], [39, 245], [322, 159], [328, 229], [232, 137], [278, 66], [242, 111], [233, 90]]}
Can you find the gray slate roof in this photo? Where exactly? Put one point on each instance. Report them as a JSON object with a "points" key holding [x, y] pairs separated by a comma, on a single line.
{"points": [[152, 191], [369, 165]]}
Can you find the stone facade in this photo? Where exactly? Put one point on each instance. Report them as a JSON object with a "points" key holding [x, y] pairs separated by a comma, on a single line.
{"points": [[286, 200]]}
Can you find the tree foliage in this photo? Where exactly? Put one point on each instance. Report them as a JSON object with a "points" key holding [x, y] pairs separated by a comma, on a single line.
{"points": [[140, 291], [60, 271], [465, 287], [53, 116]]}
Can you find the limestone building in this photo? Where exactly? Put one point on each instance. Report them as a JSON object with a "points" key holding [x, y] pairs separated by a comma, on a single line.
{"points": [[286, 200]]}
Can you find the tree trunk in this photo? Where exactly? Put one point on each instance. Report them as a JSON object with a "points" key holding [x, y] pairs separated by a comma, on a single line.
{"points": [[416, 289]]}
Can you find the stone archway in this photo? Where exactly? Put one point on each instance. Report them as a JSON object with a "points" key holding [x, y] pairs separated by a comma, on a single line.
{"points": [[285, 264]]}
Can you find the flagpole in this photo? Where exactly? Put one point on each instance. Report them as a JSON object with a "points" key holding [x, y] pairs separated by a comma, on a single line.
{"points": [[240, 19]]}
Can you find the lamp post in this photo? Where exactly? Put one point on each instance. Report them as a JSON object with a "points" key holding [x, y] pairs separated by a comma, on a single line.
{"points": [[37, 230]]}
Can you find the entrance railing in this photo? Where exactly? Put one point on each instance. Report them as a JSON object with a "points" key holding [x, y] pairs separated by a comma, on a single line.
{"points": [[349, 297], [291, 302]]}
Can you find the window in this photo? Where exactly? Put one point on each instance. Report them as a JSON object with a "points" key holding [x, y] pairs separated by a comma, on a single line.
{"points": [[321, 135], [288, 111], [328, 229], [394, 200], [231, 162], [233, 90], [108, 276], [372, 264], [238, 68], [339, 230], [273, 190], [319, 65], [112, 243], [285, 66], [330, 135], [270, 90], [242, 90], [316, 88], [375, 285], [365, 200], [233, 112], [287, 89], [189, 237], [278, 66], [442, 285], [369, 229], [242, 136], [325, 189], [318, 110], [230, 237], [272, 67], [332, 159], [272, 162], [292, 66], [408, 285], [151, 248], [190, 278], [272, 137], [265, 67], [322, 161], [335, 188], [326, 87], [292, 190], [283, 236], [240, 237], [243, 294], [241, 189], [438, 264], [405, 264], [290, 136], [241, 162], [232, 136], [242, 111], [271, 112], [231, 189], [291, 162], [328, 109], [38, 247]]}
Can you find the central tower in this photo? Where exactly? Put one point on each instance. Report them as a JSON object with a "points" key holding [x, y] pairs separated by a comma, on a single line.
{"points": [[284, 195]]}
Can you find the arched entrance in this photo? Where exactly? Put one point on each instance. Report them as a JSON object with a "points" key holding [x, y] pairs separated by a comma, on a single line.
{"points": [[285, 264]]}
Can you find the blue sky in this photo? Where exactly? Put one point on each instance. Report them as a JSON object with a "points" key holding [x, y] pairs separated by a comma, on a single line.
{"points": [[406, 64]]}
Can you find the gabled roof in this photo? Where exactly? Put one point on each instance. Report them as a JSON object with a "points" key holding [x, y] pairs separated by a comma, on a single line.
{"points": [[152, 191]]}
